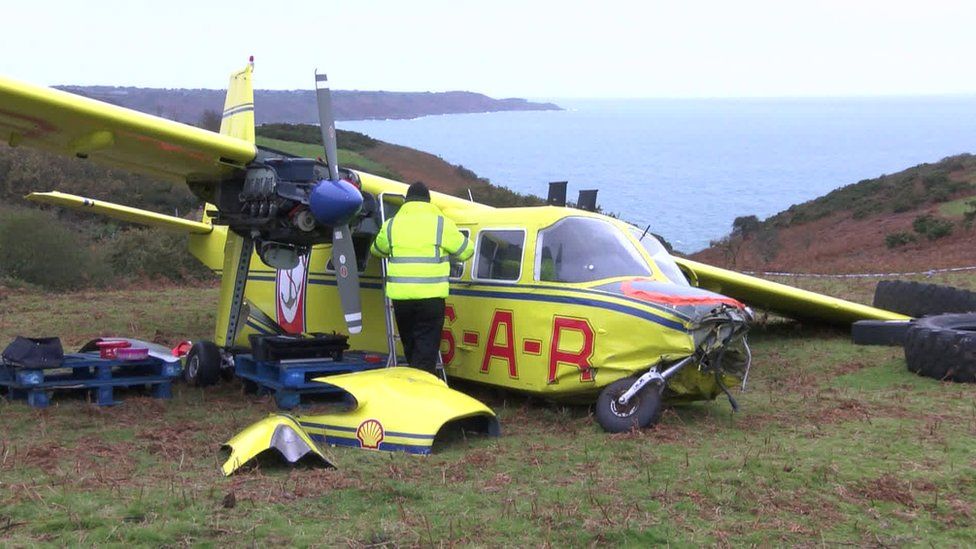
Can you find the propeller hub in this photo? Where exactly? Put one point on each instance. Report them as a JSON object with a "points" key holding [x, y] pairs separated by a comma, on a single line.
{"points": [[335, 202]]}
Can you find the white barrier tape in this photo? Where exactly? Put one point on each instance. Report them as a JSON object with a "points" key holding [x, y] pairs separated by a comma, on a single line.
{"points": [[861, 275]]}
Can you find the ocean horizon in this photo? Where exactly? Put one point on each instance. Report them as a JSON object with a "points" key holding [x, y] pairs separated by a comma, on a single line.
{"points": [[689, 167]]}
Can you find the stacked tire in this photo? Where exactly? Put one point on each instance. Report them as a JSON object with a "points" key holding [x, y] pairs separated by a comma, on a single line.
{"points": [[941, 343], [918, 299], [943, 347]]}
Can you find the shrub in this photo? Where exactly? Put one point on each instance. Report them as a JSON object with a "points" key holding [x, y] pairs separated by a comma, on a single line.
{"points": [[893, 240], [932, 227], [969, 216], [935, 179], [767, 244], [903, 202], [745, 224], [153, 253], [37, 248]]}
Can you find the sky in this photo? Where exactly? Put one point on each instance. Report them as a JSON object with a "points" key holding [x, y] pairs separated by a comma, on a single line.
{"points": [[504, 48]]}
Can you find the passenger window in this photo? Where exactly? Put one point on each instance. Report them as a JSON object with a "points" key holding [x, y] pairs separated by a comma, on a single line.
{"points": [[500, 254], [457, 267]]}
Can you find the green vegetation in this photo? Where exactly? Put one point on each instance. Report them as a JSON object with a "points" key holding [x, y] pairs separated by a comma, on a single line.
{"points": [[746, 224], [36, 247], [932, 227], [901, 238], [308, 133], [957, 208], [347, 159], [494, 195], [149, 253], [901, 192], [24, 170], [835, 445], [306, 140], [60, 249]]}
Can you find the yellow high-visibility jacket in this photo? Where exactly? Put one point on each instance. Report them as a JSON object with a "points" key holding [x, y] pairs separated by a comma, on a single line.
{"points": [[418, 243]]}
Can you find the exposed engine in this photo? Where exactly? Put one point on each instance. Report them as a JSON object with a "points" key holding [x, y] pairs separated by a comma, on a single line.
{"points": [[288, 205]]}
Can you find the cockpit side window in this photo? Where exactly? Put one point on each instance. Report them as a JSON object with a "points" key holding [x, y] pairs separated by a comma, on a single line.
{"points": [[583, 249], [499, 254]]}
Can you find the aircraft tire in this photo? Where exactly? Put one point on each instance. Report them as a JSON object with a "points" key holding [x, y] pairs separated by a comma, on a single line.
{"points": [[879, 332], [202, 364], [943, 347], [919, 299], [643, 410]]}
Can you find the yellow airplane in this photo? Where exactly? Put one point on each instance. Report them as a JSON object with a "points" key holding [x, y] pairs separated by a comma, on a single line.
{"points": [[560, 302]]}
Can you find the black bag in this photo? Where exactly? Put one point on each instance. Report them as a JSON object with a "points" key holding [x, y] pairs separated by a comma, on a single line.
{"points": [[42, 352]]}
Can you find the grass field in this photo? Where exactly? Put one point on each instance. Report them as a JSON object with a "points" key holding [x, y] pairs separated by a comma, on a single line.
{"points": [[835, 445]]}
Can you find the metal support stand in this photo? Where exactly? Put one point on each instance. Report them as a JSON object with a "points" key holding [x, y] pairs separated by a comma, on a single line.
{"points": [[240, 284], [391, 334]]}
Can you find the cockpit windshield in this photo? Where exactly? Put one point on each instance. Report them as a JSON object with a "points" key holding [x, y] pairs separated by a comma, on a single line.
{"points": [[660, 255], [583, 249]]}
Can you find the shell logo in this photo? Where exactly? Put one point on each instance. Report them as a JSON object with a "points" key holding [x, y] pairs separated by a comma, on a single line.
{"points": [[370, 434]]}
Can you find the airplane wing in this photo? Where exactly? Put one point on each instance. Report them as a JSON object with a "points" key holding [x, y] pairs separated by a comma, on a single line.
{"points": [[783, 299], [123, 213], [72, 125]]}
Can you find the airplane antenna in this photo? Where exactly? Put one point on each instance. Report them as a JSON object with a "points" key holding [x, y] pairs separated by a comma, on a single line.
{"points": [[644, 233], [470, 196]]}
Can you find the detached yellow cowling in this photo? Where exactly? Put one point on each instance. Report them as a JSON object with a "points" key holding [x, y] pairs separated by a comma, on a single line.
{"points": [[396, 409], [277, 431]]}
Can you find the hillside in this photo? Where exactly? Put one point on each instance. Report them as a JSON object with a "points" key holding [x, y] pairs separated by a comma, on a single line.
{"points": [[299, 106], [394, 161], [917, 219]]}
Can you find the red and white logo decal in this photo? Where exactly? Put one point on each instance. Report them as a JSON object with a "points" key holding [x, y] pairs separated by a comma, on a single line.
{"points": [[290, 287]]}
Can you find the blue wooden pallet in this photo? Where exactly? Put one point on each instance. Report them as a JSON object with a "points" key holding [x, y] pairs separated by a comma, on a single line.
{"points": [[291, 381], [87, 371]]}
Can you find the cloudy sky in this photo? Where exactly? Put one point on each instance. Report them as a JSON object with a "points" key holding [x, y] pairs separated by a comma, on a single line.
{"points": [[505, 48]]}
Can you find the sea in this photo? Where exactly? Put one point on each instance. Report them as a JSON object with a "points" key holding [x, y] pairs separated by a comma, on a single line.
{"points": [[688, 168]]}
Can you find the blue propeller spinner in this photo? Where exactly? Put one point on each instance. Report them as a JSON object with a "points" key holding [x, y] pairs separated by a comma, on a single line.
{"points": [[335, 202]]}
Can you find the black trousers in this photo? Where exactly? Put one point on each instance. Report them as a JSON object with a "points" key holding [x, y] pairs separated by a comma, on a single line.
{"points": [[420, 322]]}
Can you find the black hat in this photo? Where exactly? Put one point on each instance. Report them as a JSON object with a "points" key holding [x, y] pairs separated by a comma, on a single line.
{"points": [[418, 191]]}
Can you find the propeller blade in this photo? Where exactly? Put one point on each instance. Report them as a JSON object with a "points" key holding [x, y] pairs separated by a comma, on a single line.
{"points": [[347, 277], [327, 123]]}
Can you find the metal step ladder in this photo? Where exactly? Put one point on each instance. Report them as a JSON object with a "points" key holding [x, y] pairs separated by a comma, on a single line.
{"points": [[392, 335]]}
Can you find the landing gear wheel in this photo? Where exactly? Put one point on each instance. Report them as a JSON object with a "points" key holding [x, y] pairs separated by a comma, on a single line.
{"points": [[642, 410], [202, 364]]}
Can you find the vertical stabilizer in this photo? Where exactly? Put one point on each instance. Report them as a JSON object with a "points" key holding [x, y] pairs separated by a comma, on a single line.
{"points": [[238, 117]]}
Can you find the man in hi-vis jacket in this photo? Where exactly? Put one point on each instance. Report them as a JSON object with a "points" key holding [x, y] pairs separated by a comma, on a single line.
{"points": [[419, 243]]}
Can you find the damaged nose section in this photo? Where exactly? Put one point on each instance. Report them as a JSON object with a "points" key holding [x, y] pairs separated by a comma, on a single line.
{"points": [[279, 432]]}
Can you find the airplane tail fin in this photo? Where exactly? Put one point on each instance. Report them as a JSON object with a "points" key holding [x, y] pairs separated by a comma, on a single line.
{"points": [[238, 116]]}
